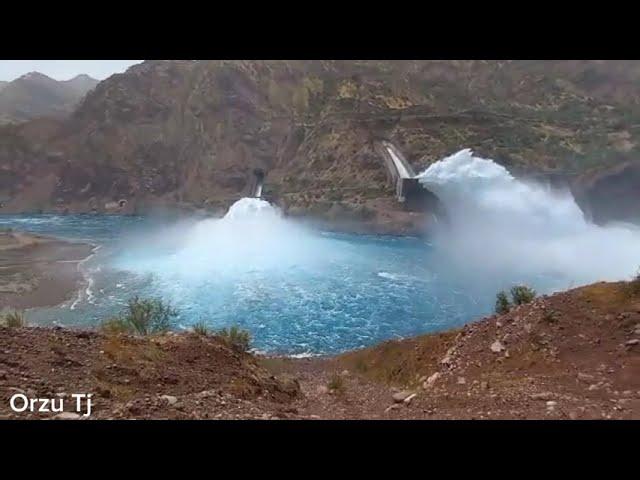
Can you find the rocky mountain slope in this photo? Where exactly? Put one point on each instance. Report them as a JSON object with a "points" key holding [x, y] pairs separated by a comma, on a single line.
{"points": [[35, 95], [572, 355], [188, 133]]}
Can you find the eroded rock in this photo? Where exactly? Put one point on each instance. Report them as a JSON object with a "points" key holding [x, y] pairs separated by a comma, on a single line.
{"points": [[400, 397], [497, 347]]}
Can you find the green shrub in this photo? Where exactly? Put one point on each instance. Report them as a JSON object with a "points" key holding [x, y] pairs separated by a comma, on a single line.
{"points": [[502, 303], [521, 294], [336, 383], [143, 317], [201, 329], [13, 319], [236, 337]]}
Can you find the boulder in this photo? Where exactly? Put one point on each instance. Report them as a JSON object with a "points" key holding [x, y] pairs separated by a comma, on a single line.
{"points": [[400, 397], [67, 416], [170, 399], [430, 381], [497, 347]]}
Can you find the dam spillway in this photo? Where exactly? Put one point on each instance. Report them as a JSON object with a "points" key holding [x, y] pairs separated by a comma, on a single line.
{"points": [[401, 165], [257, 183], [407, 188]]}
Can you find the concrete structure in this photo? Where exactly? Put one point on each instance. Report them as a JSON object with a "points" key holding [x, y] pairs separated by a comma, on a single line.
{"points": [[408, 189], [399, 172], [257, 181]]}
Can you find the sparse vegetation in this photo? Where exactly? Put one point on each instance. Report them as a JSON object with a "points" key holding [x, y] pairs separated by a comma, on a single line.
{"points": [[360, 365], [13, 319], [502, 303], [549, 316], [336, 383], [521, 294], [395, 363], [116, 326], [201, 329], [142, 317], [236, 337]]}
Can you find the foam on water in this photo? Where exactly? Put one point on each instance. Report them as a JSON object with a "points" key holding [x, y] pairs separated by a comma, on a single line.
{"points": [[302, 292], [299, 291], [252, 237], [389, 276], [501, 225], [252, 208]]}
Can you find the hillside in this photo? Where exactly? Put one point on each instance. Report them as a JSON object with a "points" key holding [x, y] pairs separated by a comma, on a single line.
{"points": [[171, 376], [572, 355], [35, 95], [188, 133]]}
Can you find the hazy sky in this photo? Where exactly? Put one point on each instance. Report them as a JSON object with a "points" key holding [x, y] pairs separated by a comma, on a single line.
{"points": [[63, 69]]}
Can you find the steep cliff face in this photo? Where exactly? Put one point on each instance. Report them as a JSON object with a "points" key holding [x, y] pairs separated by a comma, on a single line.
{"points": [[190, 133], [610, 194]]}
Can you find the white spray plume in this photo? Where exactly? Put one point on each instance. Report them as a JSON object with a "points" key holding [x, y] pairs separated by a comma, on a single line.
{"points": [[501, 226], [252, 236]]}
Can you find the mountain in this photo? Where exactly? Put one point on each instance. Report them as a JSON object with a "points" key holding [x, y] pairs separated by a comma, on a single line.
{"points": [[81, 84], [189, 133], [34, 95]]}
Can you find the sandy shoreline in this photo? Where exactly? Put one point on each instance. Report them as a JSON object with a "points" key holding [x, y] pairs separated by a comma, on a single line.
{"points": [[38, 271]]}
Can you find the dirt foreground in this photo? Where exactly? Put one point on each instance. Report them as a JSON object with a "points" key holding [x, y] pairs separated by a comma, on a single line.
{"points": [[573, 355]]}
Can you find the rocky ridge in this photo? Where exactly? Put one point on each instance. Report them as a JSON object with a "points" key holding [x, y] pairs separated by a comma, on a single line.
{"points": [[187, 134]]}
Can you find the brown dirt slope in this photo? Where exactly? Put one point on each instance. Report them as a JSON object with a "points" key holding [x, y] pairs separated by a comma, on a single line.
{"points": [[572, 355], [129, 376]]}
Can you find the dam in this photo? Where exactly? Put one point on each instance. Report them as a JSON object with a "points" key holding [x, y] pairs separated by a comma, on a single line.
{"points": [[257, 183], [407, 188]]}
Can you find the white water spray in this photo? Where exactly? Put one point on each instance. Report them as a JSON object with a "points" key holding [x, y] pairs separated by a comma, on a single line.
{"points": [[251, 209], [253, 236], [501, 226]]}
